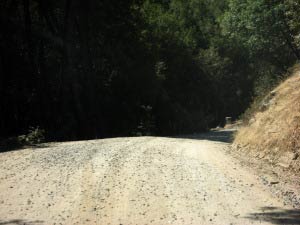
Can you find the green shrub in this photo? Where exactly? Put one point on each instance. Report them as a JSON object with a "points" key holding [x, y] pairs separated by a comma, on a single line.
{"points": [[34, 136]]}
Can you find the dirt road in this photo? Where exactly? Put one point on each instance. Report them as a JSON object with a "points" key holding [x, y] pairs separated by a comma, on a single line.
{"points": [[146, 180]]}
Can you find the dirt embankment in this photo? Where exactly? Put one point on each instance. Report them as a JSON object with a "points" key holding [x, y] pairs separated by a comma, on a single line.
{"points": [[273, 133], [271, 140]]}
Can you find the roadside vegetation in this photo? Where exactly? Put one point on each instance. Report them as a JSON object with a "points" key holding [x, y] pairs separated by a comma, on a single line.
{"points": [[273, 130], [93, 69]]}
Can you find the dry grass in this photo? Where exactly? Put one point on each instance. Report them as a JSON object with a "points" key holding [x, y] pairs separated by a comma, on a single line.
{"points": [[274, 132]]}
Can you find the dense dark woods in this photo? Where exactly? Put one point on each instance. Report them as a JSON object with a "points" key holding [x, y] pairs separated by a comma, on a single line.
{"points": [[90, 69]]}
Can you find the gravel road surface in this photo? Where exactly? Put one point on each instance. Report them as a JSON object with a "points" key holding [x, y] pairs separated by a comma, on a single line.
{"points": [[141, 180]]}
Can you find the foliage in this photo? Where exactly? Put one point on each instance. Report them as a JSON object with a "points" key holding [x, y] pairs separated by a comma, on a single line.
{"points": [[292, 11], [34, 136], [91, 69], [261, 26]]}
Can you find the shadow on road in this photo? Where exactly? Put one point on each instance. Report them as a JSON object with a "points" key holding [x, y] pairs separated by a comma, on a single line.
{"points": [[9, 148], [21, 222], [214, 135], [277, 216]]}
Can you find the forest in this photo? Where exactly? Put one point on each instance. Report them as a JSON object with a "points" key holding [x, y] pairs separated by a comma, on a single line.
{"points": [[85, 69]]}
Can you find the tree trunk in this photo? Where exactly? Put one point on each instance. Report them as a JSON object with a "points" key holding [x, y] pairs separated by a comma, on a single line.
{"points": [[28, 33]]}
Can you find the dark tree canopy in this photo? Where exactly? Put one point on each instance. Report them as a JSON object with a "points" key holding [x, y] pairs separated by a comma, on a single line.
{"points": [[92, 69]]}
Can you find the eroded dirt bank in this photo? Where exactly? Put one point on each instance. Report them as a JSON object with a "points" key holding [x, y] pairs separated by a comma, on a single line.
{"points": [[147, 180]]}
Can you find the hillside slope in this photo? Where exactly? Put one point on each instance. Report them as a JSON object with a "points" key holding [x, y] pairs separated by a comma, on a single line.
{"points": [[273, 133]]}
